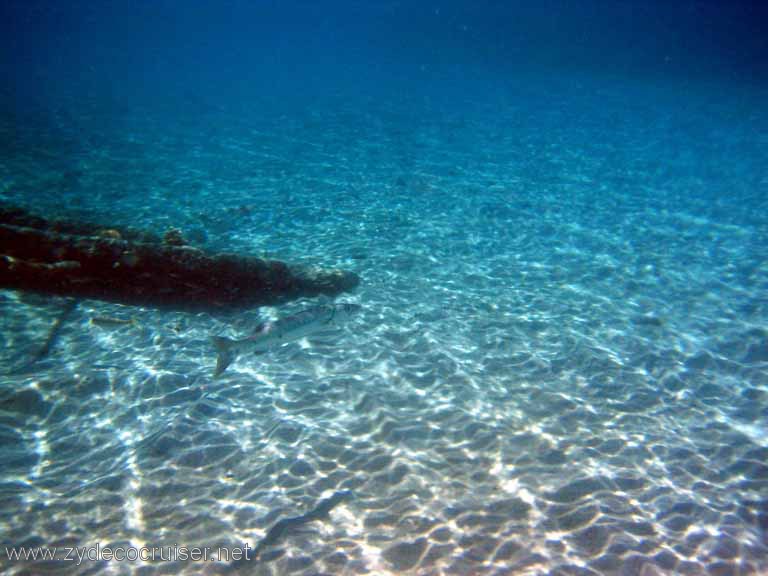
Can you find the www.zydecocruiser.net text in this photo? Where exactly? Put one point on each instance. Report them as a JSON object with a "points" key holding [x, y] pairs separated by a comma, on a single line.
{"points": [[99, 553]]}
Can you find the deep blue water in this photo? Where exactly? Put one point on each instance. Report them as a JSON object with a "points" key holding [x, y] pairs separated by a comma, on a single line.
{"points": [[558, 216]]}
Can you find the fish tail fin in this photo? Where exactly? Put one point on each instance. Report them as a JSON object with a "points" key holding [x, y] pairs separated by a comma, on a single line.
{"points": [[225, 354]]}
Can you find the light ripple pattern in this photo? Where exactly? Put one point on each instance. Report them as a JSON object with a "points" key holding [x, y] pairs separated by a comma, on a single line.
{"points": [[560, 367]]}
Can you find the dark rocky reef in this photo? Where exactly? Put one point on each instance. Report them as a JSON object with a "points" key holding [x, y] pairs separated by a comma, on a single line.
{"points": [[84, 260]]}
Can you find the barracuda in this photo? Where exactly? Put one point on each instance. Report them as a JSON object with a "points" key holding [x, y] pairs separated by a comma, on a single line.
{"points": [[270, 335]]}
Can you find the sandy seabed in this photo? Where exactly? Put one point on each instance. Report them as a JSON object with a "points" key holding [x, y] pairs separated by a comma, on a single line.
{"points": [[561, 365]]}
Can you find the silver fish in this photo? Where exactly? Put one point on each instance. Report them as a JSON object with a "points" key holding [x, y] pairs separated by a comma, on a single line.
{"points": [[270, 335]]}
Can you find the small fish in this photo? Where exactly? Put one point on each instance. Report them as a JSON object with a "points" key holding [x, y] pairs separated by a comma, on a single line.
{"points": [[286, 526], [109, 322], [270, 335]]}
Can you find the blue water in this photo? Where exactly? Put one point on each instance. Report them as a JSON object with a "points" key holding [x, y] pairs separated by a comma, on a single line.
{"points": [[558, 214]]}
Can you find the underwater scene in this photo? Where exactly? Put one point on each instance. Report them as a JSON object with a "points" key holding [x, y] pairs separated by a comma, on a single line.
{"points": [[383, 287]]}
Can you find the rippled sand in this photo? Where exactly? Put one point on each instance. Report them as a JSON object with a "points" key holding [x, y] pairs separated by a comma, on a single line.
{"points": [[561, 366]]}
